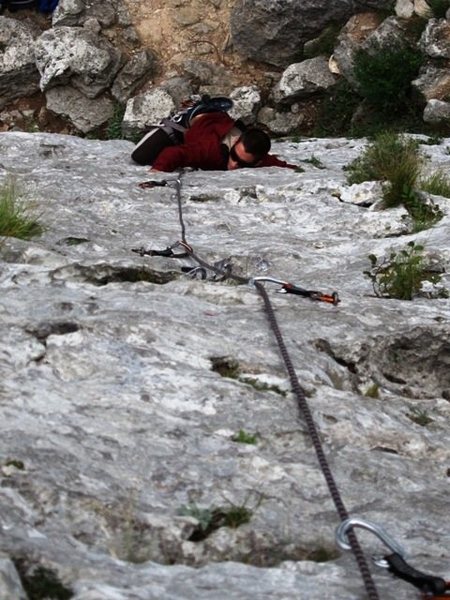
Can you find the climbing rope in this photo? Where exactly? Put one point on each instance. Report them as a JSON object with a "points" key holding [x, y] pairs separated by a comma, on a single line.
{"points": [[297, 389]]}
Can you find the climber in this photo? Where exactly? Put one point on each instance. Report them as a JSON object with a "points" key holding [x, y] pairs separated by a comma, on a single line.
{"points": [[205, 137]]}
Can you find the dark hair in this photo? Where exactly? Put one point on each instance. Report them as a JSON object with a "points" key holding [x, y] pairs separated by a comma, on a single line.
{"points": [[256, 142]]}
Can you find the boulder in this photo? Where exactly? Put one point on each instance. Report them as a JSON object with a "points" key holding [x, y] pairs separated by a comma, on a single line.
{"points": [[370, 33], [73, 54], [146, 109], [301, 80], [136, 71], [18, 73], [433, 83], [351, 37], [85, 114], [211, 77], [437, 111], [435, 40], [246, 103], [275, 32], [180, 89], [404, 8], [76, 12], [279, 122]]}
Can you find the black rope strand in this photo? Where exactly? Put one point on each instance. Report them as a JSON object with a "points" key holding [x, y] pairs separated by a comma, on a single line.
{"points": [[366, 575], [312, 429]]}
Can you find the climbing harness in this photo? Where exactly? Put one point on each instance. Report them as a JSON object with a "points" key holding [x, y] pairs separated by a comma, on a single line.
{"points": [[432, 587]]}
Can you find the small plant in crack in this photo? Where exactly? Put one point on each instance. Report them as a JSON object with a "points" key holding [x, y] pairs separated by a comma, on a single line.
{"points": [[401, 274], [41, 583], [373, 391], [323, 554], [226, 366], [14, 462], [261, 386], [419, 416], [243, 437], [211, 519], [315, 162]]}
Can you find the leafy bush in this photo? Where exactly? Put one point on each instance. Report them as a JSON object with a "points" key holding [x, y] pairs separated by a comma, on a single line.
{"points": [[384, 75], [439, 8], [325, 43], [424, 214], [336, 111], [401, 274], [114, 126], [15, 218]]}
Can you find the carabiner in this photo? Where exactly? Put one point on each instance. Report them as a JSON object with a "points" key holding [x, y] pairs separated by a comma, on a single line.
{"points": [[388, 541], [269, 280]]}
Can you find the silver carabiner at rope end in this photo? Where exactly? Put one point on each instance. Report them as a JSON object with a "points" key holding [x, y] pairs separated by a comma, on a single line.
{"points": [[382, 535], [268, 279]]}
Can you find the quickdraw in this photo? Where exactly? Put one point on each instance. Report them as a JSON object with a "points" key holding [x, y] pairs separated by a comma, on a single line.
{"points": [[431, 587], [290, 288]]}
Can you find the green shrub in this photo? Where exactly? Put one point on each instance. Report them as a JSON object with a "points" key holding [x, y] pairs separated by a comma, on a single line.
{"points": [[438, 8], [401, 274], [325, 43], [15, 216], [424, 214], [114, 126], [336, 111], [384, 75]]}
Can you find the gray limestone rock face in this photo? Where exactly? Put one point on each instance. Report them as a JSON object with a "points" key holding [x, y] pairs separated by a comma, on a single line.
{"points": [[73, 54], [275, 32], [141, 406], [18, 73], [10, 584]]}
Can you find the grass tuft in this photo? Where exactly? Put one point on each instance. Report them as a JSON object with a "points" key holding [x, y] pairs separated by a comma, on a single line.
{"points": [[16, 219], [437, 184], [396, 160]]}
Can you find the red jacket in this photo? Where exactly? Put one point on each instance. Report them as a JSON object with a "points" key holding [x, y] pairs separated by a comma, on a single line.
{"points": [[202, 147]]}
